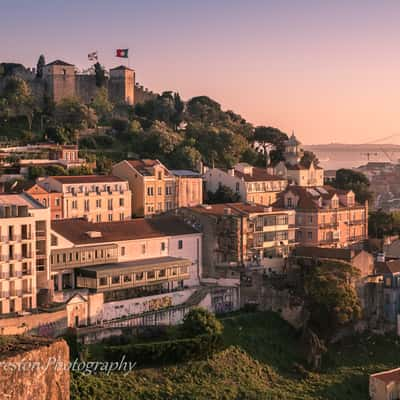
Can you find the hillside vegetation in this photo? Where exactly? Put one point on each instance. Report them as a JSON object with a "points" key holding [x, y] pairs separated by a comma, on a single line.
{"points": [[262, 359]]}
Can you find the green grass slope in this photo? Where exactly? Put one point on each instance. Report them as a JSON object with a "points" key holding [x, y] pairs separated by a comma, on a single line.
{"points": [[262, 360]]}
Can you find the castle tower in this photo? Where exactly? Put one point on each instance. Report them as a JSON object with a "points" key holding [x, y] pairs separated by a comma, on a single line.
{"points": [[60, 80], [293, 152], [121, 87]]}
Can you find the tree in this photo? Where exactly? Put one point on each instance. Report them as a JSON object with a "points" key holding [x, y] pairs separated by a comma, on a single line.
{"points": [[100, 75], [308, 158], [186, 157], [223, 194], [101, 105], [74, 116], [18, 99], [272, 141], [39, 66], [380, 224], [348, 179], [199, 321], [330, 295]]}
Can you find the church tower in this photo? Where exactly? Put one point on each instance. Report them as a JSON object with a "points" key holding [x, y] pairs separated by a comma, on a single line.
{"points": [[293, 152]]}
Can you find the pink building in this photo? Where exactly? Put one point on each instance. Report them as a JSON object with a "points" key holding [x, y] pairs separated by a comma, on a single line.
{"points": [[326, 216]]}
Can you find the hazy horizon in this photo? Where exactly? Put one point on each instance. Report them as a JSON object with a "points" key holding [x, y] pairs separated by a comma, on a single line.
{"points": [[328, 70]]}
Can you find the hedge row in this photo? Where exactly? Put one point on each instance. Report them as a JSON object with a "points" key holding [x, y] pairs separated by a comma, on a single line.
{"points": [[169, 351]]}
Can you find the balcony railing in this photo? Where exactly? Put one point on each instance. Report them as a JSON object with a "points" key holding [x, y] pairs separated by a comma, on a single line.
{"points": [[4, 275], [15, 292], [355, 222], [4, 294], [328, 225], [15, 274], [356, 238]]}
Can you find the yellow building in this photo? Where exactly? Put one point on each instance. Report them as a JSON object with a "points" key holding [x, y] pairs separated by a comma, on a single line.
{"points": [[252, 184], [97, 198], [151, 183]]}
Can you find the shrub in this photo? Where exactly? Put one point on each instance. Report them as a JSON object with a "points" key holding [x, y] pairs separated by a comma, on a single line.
{"points": [[199, 321]]}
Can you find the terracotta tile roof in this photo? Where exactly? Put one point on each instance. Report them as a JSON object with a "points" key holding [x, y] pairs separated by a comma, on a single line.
{"points": [[387, 267], [76, 230], [309, 197], [392, 375], [145, 166], [87, 179], [258, 174], [234, 209]]}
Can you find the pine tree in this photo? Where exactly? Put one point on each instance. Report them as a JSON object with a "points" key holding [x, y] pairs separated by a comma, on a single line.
{"points": [[39, 67]]}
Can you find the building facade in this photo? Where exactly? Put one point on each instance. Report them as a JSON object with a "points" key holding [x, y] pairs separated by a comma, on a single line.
{"points": [[295, 170], [97, 198], [25, 249], [151, 183], [125, 259], [240, 235], [188, 188], [326, 216], [252, 184]]}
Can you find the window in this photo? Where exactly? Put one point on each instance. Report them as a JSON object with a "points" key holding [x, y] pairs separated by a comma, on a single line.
{"points": [[121, 202], [237, 187], [143, 249], [103, 281], [122, 251], [309, 235], [151, 275], [159, 175], [162, 273], [289, 202], [162, 246], [139, 276], [86, 205], [150, 191], [75, 204], [110, 204], [115, 279], [127, 278], [98, 218], [168, 190], [98, 203], [159, 191], [180, 244], [110, 217]]}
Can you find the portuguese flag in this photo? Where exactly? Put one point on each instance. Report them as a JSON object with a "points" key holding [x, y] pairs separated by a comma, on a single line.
{"points": [[122, 53]]}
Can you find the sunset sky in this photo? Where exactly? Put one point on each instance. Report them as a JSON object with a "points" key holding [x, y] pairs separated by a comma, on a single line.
{"points": [[330, 69]]}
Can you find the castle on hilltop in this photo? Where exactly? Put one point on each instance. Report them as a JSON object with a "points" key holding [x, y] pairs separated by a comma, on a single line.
{"points": [[61, 80]]}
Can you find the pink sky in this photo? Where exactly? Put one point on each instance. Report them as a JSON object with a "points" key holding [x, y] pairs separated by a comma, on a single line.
{"points": [[330, 70]]}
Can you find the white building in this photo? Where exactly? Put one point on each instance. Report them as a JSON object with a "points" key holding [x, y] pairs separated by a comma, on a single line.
{"points": [[24, 257]]}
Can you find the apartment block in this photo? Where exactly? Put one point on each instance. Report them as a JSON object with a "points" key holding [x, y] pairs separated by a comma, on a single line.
{"points": [[151, 183], [252, 184], [97, 198], [242, 235], [188, 188], [128, 259], [24, 255], [326, 216]]}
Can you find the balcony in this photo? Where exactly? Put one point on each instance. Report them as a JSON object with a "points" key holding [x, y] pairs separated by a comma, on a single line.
{"points": [[329, 241], [357, 238], [4, 275], [40, 234], [4, 294], [355, 222], [328, 225], [15, 292], [15, 274]]}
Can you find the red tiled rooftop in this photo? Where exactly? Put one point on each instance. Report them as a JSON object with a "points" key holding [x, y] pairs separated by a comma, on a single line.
{"points": [[87, 179], [392, 375], [75, 230]]}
